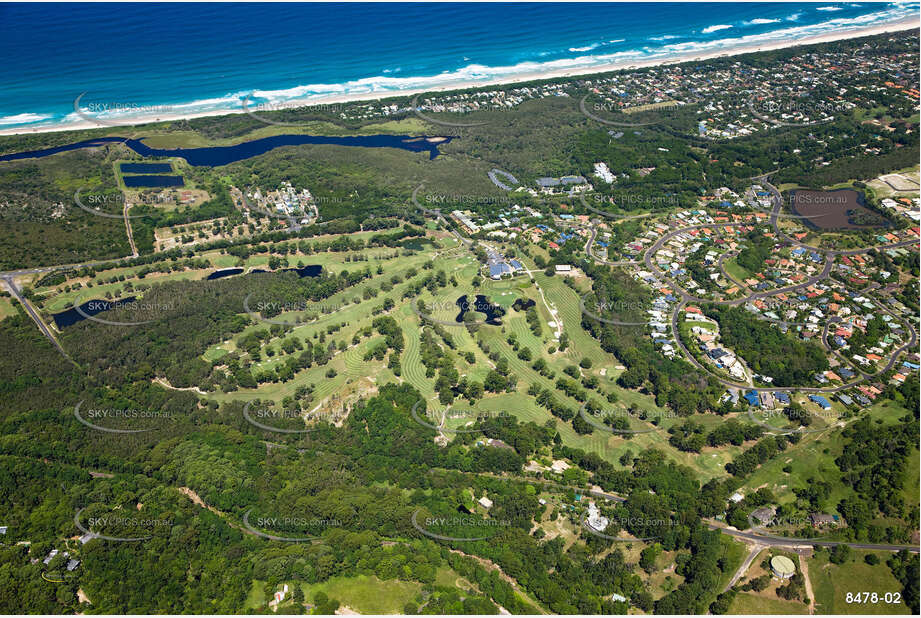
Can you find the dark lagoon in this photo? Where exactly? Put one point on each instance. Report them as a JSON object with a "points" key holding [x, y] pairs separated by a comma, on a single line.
{"points": [[224, 272], [312, 270], [222, 155], [841, 209], [90, 307], [481, 304], [146, 168], [153, 181]]}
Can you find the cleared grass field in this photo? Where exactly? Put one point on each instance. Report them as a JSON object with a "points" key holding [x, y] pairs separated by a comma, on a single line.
{"points": [[367, 594], [733, 554], [814, 457], [752, 604], [363, 593], [832, 582], [735, 271], [6, 307]]}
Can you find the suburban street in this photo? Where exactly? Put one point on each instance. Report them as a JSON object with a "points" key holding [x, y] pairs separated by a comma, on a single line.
{"points": [[687, 297]]}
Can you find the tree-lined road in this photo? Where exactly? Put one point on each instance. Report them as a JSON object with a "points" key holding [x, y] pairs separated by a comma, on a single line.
{"points": [[687, 297]]}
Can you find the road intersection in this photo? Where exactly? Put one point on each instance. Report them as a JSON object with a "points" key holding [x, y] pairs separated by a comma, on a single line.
{"points": [[686, 297]]}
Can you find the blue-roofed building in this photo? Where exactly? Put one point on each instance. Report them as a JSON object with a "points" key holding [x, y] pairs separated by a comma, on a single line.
{"points": [[516, 264], [497, 270], [548, 182], [839, 340], [823, 403], [908, 365], [846, 373], [566, 217], [845, 399], [752, 398], [798, 251], [782, 398]]}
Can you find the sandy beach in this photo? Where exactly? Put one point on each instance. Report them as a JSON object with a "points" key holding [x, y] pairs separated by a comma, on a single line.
{"points": [[897, 26]]}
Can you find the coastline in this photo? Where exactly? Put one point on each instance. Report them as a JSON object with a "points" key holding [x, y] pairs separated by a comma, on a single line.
{"points": [[907, 23]]}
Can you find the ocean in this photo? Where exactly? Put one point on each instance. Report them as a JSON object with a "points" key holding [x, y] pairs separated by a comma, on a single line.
{"points": [[141, 59]]}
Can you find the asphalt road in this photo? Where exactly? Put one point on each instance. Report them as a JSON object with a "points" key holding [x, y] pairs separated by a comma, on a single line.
{"points": [[776, 541], [687, 297], [15, 291], [795, 543]]}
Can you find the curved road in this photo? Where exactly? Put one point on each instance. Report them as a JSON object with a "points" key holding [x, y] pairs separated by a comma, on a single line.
{"points": [[588, 252], [830, 255], [750, 536], [15, 291]]}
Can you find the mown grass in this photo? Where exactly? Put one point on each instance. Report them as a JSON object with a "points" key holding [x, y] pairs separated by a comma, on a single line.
{"points": [[814, 458], [748, 603], [366, 594], [6, 307], [832, 582]]}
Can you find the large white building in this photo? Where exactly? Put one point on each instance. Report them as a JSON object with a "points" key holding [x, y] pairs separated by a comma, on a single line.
{"points": [[596, 520], [602, 172]]}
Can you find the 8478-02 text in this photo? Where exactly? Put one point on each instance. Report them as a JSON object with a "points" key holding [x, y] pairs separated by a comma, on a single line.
{"points": [[872, 598]]}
